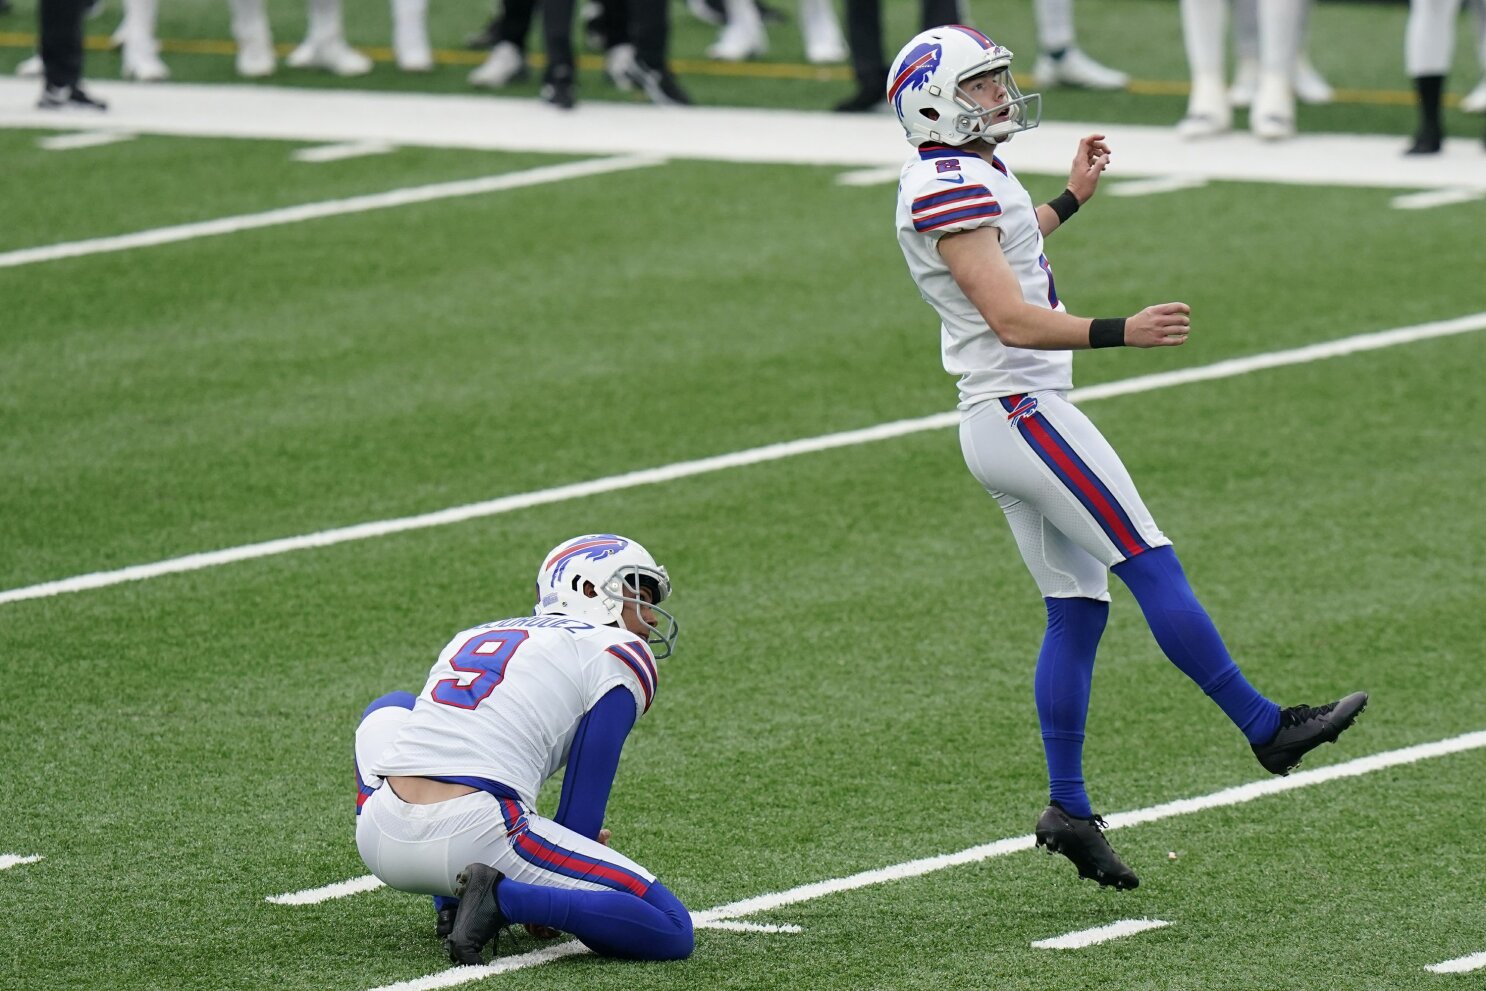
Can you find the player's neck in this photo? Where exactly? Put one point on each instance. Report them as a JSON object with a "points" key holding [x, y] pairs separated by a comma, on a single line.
{"points": [[985, 149]]}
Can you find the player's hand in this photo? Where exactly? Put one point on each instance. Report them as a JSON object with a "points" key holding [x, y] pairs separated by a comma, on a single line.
{"points": [[604, 835], [1161, 326], [1088, 165]]}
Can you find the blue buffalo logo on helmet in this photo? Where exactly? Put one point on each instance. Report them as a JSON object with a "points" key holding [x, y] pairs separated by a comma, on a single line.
{"points": [[914, 72], [594, 548]]}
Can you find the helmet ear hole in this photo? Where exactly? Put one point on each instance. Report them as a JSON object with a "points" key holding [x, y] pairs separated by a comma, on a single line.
{"points": [[929, 112]]}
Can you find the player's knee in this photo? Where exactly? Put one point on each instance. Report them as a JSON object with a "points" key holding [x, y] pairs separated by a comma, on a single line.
{"points": [[678, 944]]}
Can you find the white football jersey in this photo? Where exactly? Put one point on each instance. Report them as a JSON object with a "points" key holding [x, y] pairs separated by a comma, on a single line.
{"points": [[943, 190], [504, 700]]}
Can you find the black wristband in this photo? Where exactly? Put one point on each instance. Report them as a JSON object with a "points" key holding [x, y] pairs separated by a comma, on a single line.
{"points": [[1107, 332], [1065, 205]]}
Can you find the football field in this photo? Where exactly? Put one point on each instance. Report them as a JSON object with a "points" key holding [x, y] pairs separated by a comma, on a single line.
{"points": [[272, 429]]}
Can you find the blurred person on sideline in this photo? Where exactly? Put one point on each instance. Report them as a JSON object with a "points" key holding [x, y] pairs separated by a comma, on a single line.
{"points": [[1310, 86], [60, 48], [1429, 44], [745, 36], [1204, 32], [864, 39], [324, 46], [634, 34], [1060, 62]]}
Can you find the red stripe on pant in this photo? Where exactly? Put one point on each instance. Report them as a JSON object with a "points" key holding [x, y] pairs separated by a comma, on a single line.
{"points": [[1112, 522]]}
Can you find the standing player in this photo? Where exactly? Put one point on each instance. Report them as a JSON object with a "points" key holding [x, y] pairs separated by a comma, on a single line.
{"points": [[448, 782], [973, 240]]}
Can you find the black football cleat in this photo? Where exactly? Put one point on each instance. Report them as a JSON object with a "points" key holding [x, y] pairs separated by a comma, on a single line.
{"points": [[444, 922], [478, 920], [68, 98], [1082, 841], [1303, 729]]}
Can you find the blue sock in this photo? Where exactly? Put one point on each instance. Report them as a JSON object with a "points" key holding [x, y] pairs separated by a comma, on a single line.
{"points": [[441, 902], [1187, 636], [1065, 671], [612, 923]]}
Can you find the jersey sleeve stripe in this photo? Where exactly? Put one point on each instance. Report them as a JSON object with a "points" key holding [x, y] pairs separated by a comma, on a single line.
{"points": [[949, 196], [638, 668], [641, 653], [979, 212]]}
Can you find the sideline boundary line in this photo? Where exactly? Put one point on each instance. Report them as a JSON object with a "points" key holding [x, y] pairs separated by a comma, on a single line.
{"points": [[1238, 795], [757, 455], [326, 208]]}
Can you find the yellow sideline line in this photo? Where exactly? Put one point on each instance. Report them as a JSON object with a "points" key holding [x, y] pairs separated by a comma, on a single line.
{"points": [[689, 67]]}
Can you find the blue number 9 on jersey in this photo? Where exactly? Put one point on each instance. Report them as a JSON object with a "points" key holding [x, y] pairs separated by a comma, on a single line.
{"points": [[485, 655]]}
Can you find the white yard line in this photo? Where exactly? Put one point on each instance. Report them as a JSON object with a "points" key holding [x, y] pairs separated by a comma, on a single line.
{"points": [[1155, 186], [729, 925], [341, 152], [870, 177], [752, 456], [328, 208], [1099, 934], [1460, 965], [340, 889], [9, 860], [83, 139], [1436, 197]]}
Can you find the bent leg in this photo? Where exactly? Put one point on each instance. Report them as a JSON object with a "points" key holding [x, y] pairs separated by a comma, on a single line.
{"points": [[1190, 640], [653, 926]]}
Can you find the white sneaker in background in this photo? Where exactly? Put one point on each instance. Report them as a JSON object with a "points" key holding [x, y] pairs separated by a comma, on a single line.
{"points": [[1208, 111], [503, 65], [1272, 117], [1074, 68], [738, 43], [1245, 83], [821, 31], [255, 61], [31, 68], [332, 54], [619, 65], [142, 63], [1310, 86], [1474, 102]]}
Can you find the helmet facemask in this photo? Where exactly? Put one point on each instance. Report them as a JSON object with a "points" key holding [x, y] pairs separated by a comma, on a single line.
{"points": [[998, 123], [624, 588]]}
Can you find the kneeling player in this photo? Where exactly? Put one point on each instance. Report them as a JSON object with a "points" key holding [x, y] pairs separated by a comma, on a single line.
{"points": [[449, 780]]}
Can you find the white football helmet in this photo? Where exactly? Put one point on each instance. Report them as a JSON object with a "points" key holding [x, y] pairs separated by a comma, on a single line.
{"points": [[615, 568], [924, 89]]}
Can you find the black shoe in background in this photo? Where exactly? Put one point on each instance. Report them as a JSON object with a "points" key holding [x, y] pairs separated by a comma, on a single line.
{"points": [[1082, 841], [660, 85], [560, 93], [444, 922], [1427, 141], [1303, 729], [68, 98]]}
